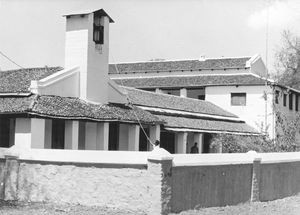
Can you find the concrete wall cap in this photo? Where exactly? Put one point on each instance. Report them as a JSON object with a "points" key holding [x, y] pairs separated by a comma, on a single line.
{"points": [[254, 155], [12, 152], [160, 154]]}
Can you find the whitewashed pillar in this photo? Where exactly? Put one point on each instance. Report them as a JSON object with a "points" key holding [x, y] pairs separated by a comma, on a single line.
{"points": [[23, 133], [198, 138], [102, 136], [180, 142], [133, 137], [183, 92], [91, 136], [71, 134], [154, 135], [38, 133]]}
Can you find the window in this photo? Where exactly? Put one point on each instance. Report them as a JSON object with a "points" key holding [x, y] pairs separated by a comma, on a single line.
{"points": [[196, 93], [276, 97], [291, 101], [98, 35], [297, 102], [284, 100], [58, 134], [238, 99]]}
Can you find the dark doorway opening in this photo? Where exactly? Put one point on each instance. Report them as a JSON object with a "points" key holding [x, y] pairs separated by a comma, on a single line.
{"points": [[113, 137], [4, 132], [58, 134], [167, 141], [206, 142], [143, 145]]}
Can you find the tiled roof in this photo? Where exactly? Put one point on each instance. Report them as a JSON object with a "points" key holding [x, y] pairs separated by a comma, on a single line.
{"points": [[190, 81], [73, 108], [221, 63], [18, 81], [206, 124], [149, 99]]}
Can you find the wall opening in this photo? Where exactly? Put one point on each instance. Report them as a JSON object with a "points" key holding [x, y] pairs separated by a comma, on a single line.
{"points": [[113, 138]]}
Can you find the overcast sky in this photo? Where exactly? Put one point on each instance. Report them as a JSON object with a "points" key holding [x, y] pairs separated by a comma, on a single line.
{"points": [[32, 31]]}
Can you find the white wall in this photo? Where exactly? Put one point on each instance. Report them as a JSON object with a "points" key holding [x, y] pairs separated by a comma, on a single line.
{"points": [[254, 111]]}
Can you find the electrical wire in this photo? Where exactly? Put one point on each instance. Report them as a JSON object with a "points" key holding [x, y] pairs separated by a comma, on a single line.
{"points": [[131, 104], [8, 58]]}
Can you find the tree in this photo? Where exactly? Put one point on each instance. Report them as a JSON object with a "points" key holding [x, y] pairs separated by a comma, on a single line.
{"points": [[287, 60]]}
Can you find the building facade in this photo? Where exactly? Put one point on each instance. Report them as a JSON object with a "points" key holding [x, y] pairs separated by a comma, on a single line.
{"points": [[236, 84], [78, 107]]}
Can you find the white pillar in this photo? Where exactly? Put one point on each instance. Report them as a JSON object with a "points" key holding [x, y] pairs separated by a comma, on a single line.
{"points": [[133, 137], [154, 135], [71, 134], [102, 136], [38, 131], [90, 136], [180, 142], [123, 137], [23, 133], [198, 138], [183, 92]]}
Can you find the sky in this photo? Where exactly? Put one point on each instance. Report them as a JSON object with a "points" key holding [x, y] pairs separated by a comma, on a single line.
{"points": [[32, 32]]}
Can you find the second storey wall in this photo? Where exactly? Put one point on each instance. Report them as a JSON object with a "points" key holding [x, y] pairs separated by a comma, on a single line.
{"points": [[253, 112]]}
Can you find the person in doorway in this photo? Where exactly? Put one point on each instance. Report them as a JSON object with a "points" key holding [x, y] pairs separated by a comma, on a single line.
{"points": [[194, 149]]}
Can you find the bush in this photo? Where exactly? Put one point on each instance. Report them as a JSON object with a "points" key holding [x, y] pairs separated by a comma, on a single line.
{"points": [[242, 143]]}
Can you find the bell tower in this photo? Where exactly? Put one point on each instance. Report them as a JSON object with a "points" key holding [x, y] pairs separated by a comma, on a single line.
{"points": [[87, 46]]}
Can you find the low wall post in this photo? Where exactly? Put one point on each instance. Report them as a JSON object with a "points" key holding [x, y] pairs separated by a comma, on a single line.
{"points": [[160, 181], [255, 177], [11, 177]]}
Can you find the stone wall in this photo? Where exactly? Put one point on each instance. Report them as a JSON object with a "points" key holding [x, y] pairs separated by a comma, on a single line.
{"points": [[155, 183]]}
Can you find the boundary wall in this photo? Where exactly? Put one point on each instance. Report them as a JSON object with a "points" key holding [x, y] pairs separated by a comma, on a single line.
{"points": [[153, 182]]}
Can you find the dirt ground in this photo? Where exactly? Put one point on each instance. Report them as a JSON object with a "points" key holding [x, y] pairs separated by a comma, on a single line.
{"points": [[286, 206]]}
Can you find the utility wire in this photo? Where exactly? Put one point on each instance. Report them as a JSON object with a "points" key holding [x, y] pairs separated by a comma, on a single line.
{"points": [[130, 103], [5, 56]]}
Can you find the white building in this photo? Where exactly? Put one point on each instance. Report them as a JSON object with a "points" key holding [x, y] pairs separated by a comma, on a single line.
{"points": [[235, 84], [79, 107]]}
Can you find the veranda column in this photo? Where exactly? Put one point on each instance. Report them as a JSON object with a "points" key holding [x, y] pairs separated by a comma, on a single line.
{"points": [[133, 137], [154, 135], [180, 142], [23, 133], [71, 134], [183, 92], [38, 133], [91, 136], [102, 136], [48, 133], [198, 138]]}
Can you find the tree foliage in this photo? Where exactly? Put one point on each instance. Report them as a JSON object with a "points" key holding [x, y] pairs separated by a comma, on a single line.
{"points": [[287, 60]]}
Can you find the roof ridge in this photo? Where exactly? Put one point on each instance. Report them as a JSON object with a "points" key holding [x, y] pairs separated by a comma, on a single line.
{"points": [[31, 68], [177, 60]]}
